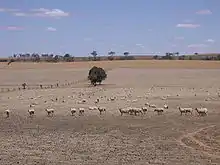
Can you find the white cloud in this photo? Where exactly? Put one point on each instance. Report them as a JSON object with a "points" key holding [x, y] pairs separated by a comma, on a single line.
{"points": [[197, 46], [140, 45], [188, 21], [51, 29], [204, 12], [20, 14], [8, 10], [187, 25], [87, 39], [42, 12], [12, 28], [179, 38], [210, 40]]}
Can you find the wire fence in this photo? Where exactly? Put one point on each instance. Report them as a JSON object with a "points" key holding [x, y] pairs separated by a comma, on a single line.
{"points": [[11, 88]]}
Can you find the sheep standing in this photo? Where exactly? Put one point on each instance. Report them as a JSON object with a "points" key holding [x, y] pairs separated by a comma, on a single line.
{"points": [[185, 110], [137, 111], [165, 106], [202, 111], [144, 109], [152, 106], [81, 111], [101, 110], [72, 111], [7, 111], [50, 111], [97, 101], [123, 111], [159, 110], [31, 112]]}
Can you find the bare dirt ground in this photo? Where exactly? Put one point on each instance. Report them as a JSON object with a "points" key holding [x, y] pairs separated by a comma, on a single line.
{"points": [[111, 138]]}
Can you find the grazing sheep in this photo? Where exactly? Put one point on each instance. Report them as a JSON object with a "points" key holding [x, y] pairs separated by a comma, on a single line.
{"points": [[31, 111], [147, 104], [137, 111], [124, 110], [152, 106], [101, 109], [133, 101], [93, 108], [202, 111], [144, 109], [32, 105], [159, 110], [97, 101], [50, 111], [185, 110], [73, 111], [165, 106], [81, 111], [112, 98], [7, 111]]}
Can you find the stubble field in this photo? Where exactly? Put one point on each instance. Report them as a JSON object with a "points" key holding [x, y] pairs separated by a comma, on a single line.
{"points": [[111, 138]]}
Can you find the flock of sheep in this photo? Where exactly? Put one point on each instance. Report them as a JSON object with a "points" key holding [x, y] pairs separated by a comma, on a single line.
{"points": [[128, 110]]}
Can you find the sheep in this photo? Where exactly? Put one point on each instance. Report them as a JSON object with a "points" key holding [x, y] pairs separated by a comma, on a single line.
{"points": [[101, 109], [165, 106], [31, 111], [32, 105], [147, 104], [202, 111], [112, 98], [144, 109], [93, 108], [124, 110], [97, 101], [81, 111], [73, 111], [137, 111], [133, 101], [7, 111], [152, 106], [50, 111], [185, 110], [159, 110]]}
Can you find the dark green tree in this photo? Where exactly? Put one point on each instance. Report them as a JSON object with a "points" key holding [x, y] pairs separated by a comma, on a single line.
{"points": [[96, 75]]}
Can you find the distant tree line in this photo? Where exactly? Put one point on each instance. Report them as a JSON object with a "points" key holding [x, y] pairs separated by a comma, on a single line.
{"points": [[35, 57]]}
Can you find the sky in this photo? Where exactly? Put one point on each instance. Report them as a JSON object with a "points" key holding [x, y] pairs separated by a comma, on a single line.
{"points": [[78, 27]]}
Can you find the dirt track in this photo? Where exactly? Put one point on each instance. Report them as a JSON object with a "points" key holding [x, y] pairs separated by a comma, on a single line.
{"points": [[111, 138]]}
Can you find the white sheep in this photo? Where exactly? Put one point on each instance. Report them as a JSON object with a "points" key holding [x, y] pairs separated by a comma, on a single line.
{"points": [[159, 110], [165, 106], [147, 104], [202, 111], [185, 110], [31, 111], [124, 110], [101, 109], [93, 108], [50, 111], [7, 111], [144, 109], [32, 105], [137, 111], [97, 101], [73, 111], [152, 106], [81, 111]]}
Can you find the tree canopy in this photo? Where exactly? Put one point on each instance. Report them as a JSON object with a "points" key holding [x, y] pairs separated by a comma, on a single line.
{"points": [[96, 75]]}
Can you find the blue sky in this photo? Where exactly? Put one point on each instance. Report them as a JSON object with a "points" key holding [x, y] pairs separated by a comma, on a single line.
{"points": [[80, 26]]}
